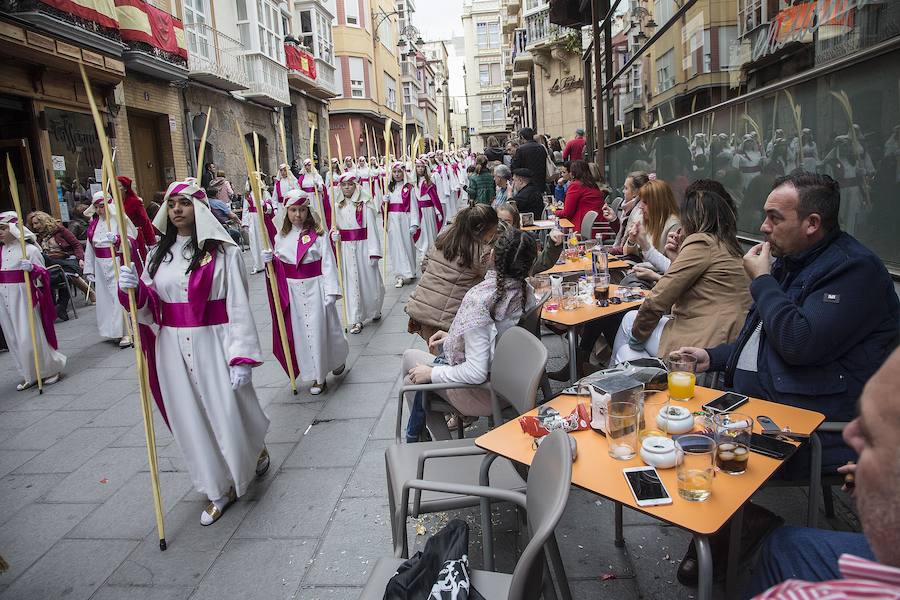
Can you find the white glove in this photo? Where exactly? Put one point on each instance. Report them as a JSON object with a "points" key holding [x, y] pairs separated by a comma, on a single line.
{"points": [[413, 229], [112, 238], [373, 260], [128, 279], [330, 300], [335, 236], [268, 256], [90, 277], [240, 375], [25, 265]]}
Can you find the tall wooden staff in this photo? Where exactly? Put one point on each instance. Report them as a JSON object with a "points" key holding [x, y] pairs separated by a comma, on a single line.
{"points": [[14, 191], [319, 206], [253, 174], [202, 149], [284, 151], [132, 309], [353, 141], [403, 136], [390, 178], [368, 146]]}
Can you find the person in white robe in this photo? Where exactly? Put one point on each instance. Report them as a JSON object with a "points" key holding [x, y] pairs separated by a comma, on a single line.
{"points": [[377, 175], [429, 218], [311, 182], [100, 266], [442, 183], [196, 300], [357, 229], [748, 160], [308, 284], [14, 305], [284, 182], [251, 224], [401, 205]]}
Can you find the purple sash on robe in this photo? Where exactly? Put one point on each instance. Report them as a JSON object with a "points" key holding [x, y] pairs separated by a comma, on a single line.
{"points": [[41, 296]]}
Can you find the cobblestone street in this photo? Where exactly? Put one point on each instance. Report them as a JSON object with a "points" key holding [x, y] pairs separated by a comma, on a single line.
{"points": [[77, 519]]}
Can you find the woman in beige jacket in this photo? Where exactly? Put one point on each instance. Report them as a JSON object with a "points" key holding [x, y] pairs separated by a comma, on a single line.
{"points": [[703, 298], [455, 264]]}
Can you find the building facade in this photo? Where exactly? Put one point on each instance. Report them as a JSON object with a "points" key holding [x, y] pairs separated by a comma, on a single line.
{"points": [[485, 93], [436, 57], [366, 38]]}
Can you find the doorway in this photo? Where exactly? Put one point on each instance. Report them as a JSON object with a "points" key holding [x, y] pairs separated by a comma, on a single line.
{"points": [[145, 149], [19, 155]]}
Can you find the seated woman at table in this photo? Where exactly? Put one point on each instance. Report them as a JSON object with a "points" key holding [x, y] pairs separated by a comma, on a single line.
{"points": [[584, 195], [703, 297], [509, 215], [467, 349], [659, 217]]}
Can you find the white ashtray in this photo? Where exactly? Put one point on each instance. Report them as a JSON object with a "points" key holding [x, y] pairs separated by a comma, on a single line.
{"points": [[675, 420], [658, 452]]}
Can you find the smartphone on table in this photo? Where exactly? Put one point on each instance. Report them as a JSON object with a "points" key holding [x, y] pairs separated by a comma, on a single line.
{"points": [[646, 486], [771, 446], [725, 403]]}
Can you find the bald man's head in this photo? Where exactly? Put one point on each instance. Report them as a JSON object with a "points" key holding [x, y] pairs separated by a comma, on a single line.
{"points": [[875, 435]]}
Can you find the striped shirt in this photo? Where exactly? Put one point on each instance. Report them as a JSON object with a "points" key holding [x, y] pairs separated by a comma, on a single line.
{"points": [[861, 579]]}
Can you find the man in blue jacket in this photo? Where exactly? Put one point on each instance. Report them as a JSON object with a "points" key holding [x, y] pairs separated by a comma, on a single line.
{"points": [[825, 317]]}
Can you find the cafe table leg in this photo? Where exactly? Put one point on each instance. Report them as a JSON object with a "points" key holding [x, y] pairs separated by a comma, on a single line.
{"points": [[620, 537], [704, 561], [573, 355], [734, 553], [815, 480]]}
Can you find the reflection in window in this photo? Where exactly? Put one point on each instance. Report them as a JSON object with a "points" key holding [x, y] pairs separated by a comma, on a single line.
{"points": [[665, 71]]}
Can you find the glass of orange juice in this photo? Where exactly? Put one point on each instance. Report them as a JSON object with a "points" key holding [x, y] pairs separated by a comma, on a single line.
{"points": [[682, 377]]}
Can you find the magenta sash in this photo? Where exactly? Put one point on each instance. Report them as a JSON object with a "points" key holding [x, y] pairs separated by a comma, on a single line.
{"points": [[183, 314], [303, 270], [103, 252], [354, 235], [12, 276]]}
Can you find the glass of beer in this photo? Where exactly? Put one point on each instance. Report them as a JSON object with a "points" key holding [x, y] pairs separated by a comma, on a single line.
{"points": [[622, 429], [601, 288], [682, 378], [694, 466], [733, 432]]}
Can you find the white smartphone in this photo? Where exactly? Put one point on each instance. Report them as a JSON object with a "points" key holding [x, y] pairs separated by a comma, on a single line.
{"points": [[646, 486]]}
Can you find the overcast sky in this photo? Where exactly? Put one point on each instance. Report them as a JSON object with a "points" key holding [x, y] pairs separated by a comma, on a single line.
{"points": [[442, 20]]}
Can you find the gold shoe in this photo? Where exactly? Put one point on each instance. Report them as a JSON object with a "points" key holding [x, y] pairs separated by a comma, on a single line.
{"points": [[262, 463], [212, 512]]}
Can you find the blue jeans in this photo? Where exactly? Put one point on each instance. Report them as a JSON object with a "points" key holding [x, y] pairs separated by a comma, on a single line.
{"points": [[416, 421], [805, 554]]}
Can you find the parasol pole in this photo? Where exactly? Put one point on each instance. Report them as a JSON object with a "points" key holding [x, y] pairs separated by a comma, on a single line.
{"points": [[132, 309], [270, 268], [14, 191]]}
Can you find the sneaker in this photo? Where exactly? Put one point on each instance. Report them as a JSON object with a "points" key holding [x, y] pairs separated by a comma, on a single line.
{"points": [[25, 385], [356, 328], [340, 370], [398, 283], [318, 388]]}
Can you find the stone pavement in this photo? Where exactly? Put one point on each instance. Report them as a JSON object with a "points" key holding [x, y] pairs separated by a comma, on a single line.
{"points": [[76, 517]]}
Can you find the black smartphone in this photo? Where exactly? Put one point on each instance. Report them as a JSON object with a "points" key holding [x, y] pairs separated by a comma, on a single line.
{"points": [[725, 403], [771, 447]]}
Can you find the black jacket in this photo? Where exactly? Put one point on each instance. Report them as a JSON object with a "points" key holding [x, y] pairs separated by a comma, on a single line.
{"points": [[532, 155], [530, 199]]}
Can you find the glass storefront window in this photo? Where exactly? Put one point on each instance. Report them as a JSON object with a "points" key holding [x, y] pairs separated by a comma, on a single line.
{"points": [[76, 155], [717, 105]]}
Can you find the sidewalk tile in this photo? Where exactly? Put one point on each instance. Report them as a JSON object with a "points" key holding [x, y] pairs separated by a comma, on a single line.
{"points": [[100, 477], [388, 343], [371, 369], [12, 459], [72, 569], [298, 503], [72, 451], [369, 477], [114, 592], [331, 444], [289, 421], [18, 491], [329, 593], [355, 400], [270, 569], [49, 430]]}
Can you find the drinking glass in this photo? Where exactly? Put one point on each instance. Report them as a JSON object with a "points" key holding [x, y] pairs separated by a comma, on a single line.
{"points": [[655, 404], [541, 285], [682, 369], [694, 466], [622, 429], [586, 289], [601, 287], [569, 296], [733, 432]]}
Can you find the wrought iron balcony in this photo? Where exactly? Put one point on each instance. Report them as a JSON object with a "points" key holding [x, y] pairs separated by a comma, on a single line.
{"points": [[100, 34], [539, 29], [215, 58]]}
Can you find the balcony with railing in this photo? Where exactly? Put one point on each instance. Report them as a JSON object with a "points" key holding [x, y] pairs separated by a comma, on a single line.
{"points": [[268, 82], [327, 77], [99, 31], [414, 113], [215, 58], [522, 59], [309, 74], [539, 29]]}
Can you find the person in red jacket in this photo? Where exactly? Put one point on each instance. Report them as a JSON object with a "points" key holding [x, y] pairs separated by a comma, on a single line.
{"points": [[583, 196], [134, 208], [574, 149]]}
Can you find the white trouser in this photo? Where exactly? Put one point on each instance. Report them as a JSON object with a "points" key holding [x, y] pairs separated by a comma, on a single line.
{"points": [[622, 351]]}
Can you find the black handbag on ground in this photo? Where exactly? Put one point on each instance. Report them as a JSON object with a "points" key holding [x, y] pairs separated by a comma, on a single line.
{"points": [[439, 572]]}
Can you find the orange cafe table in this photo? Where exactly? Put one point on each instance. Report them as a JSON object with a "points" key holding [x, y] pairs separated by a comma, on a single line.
{"points": [[547, 224], [583, 264], [595, 471], [585, 313]]}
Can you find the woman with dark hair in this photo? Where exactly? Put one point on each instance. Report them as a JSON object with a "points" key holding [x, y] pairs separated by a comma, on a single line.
{"points": [[481, 184], [510, 217], [309, 288], [456, 262], [194, 290], [703, 297], [583, 196], [466, 350]]}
